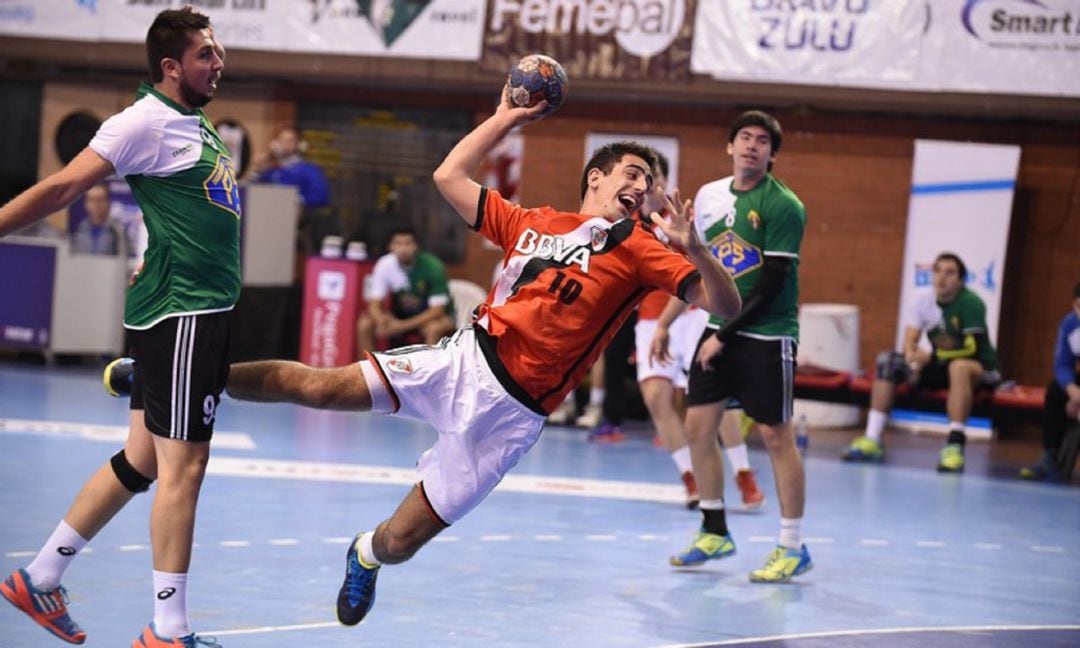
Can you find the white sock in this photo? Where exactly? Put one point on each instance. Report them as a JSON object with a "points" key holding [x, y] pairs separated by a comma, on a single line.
{"points": [[711, 505], [959, 426], [738, 457], [596, 396], [681, 457], [367, 551], [170, 605], [875, 424], [56, 554], [789, 532]]}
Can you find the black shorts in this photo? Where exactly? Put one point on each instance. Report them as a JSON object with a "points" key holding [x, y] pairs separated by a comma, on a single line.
{"points": [[181, 365], [936, 376], [759, 373]]}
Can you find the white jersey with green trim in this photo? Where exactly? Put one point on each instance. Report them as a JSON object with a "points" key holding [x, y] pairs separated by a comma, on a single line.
{"points": [[182, 177]]}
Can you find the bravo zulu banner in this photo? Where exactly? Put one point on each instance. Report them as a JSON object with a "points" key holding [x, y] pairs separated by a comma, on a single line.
{"points": [[598, 39], [830, 42], [1001, 46]]}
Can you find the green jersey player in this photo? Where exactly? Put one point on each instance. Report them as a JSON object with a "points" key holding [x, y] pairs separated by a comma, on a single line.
{"points": [[176, 314], [754, 225]]}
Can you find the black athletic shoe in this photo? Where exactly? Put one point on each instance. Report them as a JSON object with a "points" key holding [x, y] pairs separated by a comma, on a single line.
{"points": [[357, 593]]}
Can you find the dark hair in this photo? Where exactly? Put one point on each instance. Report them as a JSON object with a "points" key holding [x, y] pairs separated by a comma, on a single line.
{"points": [[762, 119], [949, 256], [607, 156], [170, 35], [661, 163], [1076, 291], [402, 230]]}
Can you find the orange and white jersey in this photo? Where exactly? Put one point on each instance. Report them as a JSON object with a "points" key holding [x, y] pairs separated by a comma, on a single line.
{"points": [[568, 283], [653, 305]]}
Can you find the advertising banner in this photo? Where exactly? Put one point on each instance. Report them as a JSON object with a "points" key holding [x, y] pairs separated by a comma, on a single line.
{"points": [[1004, 46], [243, 24], [26, 305], [333, 297], [433, 29], [622, 40], [961, 202], [838, 42], [64, 19], [994, 46]]}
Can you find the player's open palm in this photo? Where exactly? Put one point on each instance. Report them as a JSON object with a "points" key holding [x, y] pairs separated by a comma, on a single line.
{"points": [[679, 226]]}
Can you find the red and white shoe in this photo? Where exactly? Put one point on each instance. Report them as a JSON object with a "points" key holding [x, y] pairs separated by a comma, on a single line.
{"points": [[752, 497]]}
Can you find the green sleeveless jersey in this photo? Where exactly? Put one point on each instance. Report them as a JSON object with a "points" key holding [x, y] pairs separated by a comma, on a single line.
{"points": [[741, 228], [182, 177]]}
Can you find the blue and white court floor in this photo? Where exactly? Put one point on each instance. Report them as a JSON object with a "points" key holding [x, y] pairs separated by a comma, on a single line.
{"points": [[570, 551]]}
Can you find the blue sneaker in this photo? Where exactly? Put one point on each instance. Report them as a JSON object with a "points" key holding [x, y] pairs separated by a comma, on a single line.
{"points": [[1046, 470], [782, 565], [706, 546], [357, 593]]}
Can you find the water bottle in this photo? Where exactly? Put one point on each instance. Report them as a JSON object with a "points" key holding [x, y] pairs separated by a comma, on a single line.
{"points": [[802, 435]]}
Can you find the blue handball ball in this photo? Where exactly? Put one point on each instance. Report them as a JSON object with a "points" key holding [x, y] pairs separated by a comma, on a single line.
{"points": [[537, 77]]}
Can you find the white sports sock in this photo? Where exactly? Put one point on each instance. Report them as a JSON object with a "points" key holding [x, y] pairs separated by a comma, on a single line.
{"points": [[875, 424], [170, 605], [596, 396], [367, 551], [55, 556], [789, 532], [711, 505], [738, 457], [681, 457]]}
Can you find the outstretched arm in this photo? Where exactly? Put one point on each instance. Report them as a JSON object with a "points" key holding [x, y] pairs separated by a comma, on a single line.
{"points": [[54, 192], [273, 381], [454, 175], [716, 292]]}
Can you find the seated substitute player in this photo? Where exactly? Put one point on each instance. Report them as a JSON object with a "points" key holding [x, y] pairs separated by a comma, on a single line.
{"points": [[417, 287], [961, 359], [570, 280], [1062, 396]]}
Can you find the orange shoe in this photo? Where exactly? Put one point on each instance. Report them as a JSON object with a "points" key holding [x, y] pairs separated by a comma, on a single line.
{"points": [[48, 609], [150, 639], [752, 497], [691, 490]]}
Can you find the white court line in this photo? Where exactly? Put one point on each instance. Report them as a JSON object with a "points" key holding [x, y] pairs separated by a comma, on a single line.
{"points": [[496, 538], [132, 547], [547, 538], [600, 537], [762, 538], [929, 544], [447, 538], [284, 542], [874, 542], [269, 629], [365, 474], [877, 631], [109, 433], [1047, 549], [235, 543], [987, 545]]}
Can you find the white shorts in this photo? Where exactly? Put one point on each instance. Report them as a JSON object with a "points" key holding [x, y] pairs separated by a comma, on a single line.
{"points": [[683, 337], [483, 431]]}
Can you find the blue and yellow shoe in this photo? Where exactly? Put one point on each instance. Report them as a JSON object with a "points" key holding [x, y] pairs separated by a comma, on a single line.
{"points": [[47, 608], [864, 449], [118, 376], [1046, 470], [357, 593], [782, 565], [706, 546], [952, 458]]}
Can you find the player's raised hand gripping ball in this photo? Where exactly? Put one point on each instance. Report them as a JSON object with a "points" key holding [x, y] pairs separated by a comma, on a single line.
{"points": [[536, 78]]}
